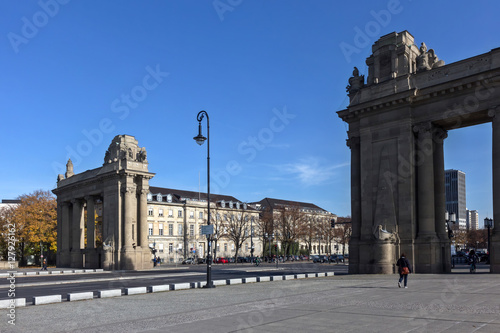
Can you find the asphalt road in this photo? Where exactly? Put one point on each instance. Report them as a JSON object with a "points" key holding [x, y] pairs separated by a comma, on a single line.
{"points": [[62, 284]]}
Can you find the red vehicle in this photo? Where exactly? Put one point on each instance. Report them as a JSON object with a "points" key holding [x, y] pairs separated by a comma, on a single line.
{"points": [[221, 261]]}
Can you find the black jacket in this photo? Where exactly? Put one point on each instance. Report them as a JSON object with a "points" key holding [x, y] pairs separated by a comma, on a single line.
{"points": [[403, 262]]}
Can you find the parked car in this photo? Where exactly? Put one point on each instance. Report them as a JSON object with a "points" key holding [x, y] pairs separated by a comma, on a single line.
{"points": [[189, 261], [242, 259], [221, 261], [201, 260], [337, 258], [319, 258]]}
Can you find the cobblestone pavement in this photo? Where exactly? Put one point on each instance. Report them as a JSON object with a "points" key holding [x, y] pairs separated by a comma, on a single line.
{"points": [[459, 302]]}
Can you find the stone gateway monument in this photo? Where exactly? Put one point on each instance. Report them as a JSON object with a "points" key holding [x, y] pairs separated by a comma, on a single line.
{"points": [[115, 194], [398, 120]]}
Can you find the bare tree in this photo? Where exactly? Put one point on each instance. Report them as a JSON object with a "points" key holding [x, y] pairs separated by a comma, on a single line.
{"points": [[266, 226], [289, 222], [238, 230], [343, 231]]}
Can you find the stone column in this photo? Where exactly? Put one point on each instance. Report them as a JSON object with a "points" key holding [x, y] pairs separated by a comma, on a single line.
{"points": [[77, 234], [440, 201], [354, 144], [130, 214], [142, 225], [439, 184], [90, 222], [64, 259], [425, 180], [495, 235]]}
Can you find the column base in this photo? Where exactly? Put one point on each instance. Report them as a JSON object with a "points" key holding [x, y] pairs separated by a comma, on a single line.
{"points": [[432, 255], [135, 259], [376, 257], [495, 256], [76, 259]]}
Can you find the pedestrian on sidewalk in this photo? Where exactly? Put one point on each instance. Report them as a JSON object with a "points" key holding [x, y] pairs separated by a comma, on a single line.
{"points": [[44, 267], [404, 270]]}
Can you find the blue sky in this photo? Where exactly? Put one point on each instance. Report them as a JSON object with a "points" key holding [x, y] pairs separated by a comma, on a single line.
{"points": [[270, 74]]}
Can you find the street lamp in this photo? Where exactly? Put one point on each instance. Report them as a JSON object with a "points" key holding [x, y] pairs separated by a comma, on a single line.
{"points": [[488, 223], [450, 218], [251, 239], [200, 139]]}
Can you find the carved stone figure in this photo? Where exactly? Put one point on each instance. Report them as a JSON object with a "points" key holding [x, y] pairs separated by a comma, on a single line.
{"points": [[356, 82], [142, 156], [69, 169], [107, 157], [382, 234], [60, 177], [427, 60]]}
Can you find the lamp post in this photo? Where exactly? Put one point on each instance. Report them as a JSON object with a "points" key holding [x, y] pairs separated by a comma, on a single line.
{"points": [[488, 223], [450, 218], [251, 239], [200, 139]]}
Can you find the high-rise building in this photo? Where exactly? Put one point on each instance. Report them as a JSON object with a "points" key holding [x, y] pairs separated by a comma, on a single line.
{"points": [[472, 220], [455, 196]]}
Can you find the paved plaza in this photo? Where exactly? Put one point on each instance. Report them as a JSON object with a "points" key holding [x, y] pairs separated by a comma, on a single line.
{"points": [[459, 302]]}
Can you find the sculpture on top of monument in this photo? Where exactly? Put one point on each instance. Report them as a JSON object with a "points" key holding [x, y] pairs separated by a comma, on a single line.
{"points": [[356, 82], [69, 169], [427, 60], [124, 147]]}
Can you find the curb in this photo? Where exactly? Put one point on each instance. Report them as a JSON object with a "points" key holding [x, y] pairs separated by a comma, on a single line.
{"points": [[56, 272], [70, 297]]}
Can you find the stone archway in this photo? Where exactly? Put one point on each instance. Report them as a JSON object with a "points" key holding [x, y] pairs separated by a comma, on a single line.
{"points": [[398, 120], [120, 188]]}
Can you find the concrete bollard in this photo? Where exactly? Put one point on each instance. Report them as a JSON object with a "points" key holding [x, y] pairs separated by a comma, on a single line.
{"points": [[135, 290], [79, 296], [37, 300], [109, 293]]}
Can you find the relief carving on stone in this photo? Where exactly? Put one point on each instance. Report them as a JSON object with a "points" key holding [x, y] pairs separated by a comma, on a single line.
{"points": [[384, 235]]}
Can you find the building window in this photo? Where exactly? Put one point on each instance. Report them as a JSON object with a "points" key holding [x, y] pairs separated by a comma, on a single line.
{"points": [[170, 213], [170, 247], [160, 247], [201, 215], [159, 198], [160, 212], [150, 229], [150, 211], [238, 205], [223, 204], [170, 229], [169, 197], [191, 214], [160, 226], [191, 230], [180, 229], [179, 213], [150, 197], [225, 247]]}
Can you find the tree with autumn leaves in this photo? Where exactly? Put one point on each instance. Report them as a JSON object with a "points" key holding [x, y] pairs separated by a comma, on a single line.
{"points": [[35, 224]]}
